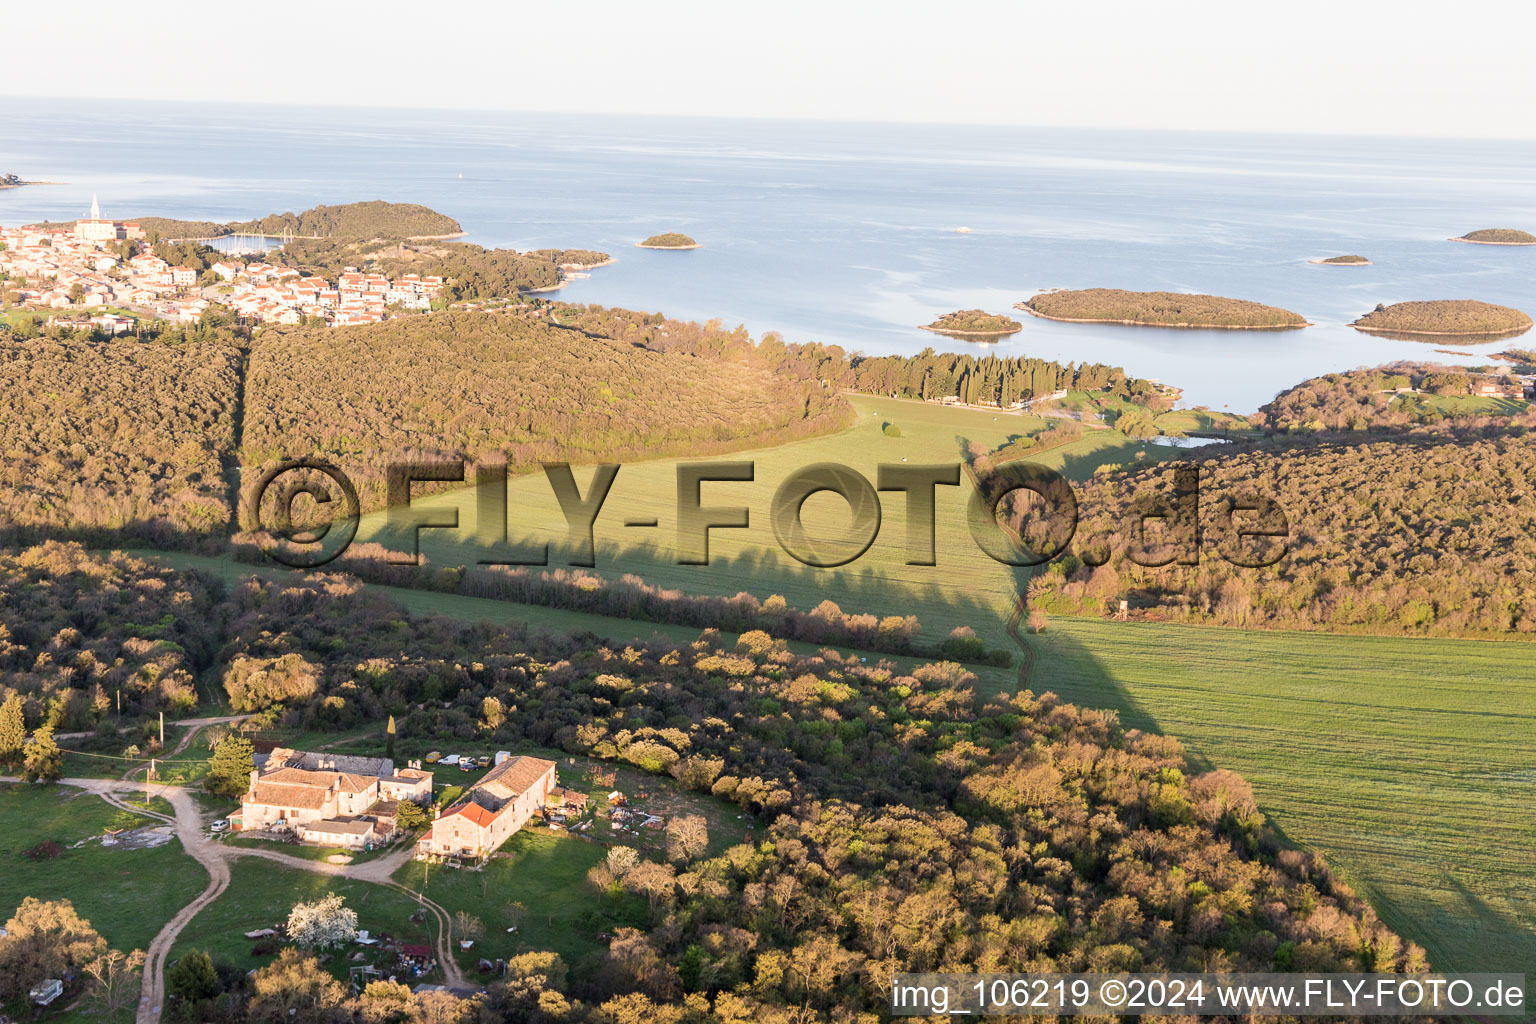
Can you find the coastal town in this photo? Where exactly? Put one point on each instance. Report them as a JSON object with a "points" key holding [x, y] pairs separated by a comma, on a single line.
{"points": [[103, 274]]}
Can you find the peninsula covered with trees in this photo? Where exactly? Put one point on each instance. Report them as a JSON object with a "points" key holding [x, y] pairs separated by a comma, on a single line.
{"points": [[974, 323], [1445, 317], [355, 221], [1158, 309], [1498, 236]]}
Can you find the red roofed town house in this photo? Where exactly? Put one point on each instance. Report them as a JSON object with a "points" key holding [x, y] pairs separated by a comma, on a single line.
{"points": [[492, 811]]}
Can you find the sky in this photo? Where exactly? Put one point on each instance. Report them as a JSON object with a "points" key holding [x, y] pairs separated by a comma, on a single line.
{"points": [[1403, 67]]}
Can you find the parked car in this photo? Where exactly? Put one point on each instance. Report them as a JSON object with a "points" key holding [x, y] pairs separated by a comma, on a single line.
{"points": [[467, 764], [485, 761], [434, 757], [219, 826], [450, 760]]}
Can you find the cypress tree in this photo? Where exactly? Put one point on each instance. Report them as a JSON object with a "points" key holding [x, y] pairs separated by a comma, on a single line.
{"points": [[13, 731]]}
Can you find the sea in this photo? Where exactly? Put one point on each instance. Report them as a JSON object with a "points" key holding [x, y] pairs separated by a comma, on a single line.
{"points": [[848, 234]]}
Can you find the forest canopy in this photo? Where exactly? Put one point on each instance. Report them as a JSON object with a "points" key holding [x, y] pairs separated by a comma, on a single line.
{"points": [[532, 390], [106, 440], [1412, 535], [1158, 309]]}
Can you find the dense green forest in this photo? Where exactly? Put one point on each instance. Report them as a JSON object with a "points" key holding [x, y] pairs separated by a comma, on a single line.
{"points": [[983, 380], [1164, 309], [529, 389], [109, 440], [1413, 535], [900, 822], [977, 380], [1445, 316]]}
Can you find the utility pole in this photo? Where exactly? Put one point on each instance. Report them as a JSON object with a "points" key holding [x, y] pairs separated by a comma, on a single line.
{"points": [[162, 730]]}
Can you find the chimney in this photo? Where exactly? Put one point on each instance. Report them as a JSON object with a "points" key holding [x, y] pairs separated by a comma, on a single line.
{"points": [[253, 780]]}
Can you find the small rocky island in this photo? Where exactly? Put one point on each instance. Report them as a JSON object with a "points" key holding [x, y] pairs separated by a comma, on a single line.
{"points": [[1497, 236], [974, 323], [1343, 261], [1159, 309], [668, 240], [1444, 317]]}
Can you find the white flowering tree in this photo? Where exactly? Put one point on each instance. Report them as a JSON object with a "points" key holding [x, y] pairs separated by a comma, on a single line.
{"points": [[323, 924]]}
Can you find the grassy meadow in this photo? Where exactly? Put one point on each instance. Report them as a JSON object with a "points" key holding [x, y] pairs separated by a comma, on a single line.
{"points": [[1406, 763], [126, 894], [548, 876], [965, 588], [261, 893]]}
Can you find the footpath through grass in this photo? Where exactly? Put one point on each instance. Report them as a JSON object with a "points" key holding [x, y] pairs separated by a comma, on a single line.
{"points": [[1407, 763]]}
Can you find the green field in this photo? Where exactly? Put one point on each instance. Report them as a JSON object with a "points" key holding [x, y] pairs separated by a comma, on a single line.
{"points": [[126, 894], [548, 875], [965, 588], [261, 893], [1407, 763]]}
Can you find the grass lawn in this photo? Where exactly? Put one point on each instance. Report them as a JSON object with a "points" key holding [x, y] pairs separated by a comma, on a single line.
{"points": [[126, 894], [1465, 405], [261, 893], [1407, 763], [548, 876]]}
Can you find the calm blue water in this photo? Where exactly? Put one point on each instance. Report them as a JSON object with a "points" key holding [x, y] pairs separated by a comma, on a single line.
{"points": [[845, 233]]}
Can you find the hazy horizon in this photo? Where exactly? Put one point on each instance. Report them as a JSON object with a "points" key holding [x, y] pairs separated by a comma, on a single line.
{"points": [[1367, 69]]}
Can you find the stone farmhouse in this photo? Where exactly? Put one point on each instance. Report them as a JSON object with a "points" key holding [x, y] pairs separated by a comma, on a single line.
{"points": [[492, 811], [332, 799]]}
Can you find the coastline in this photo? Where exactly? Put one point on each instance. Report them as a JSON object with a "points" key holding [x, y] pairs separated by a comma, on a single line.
{"points": [[1479, 241], [1153, 323], [435, 238], [1508, 332], [642, 245], [1330, 263], [565, 280], [970, 334]]}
